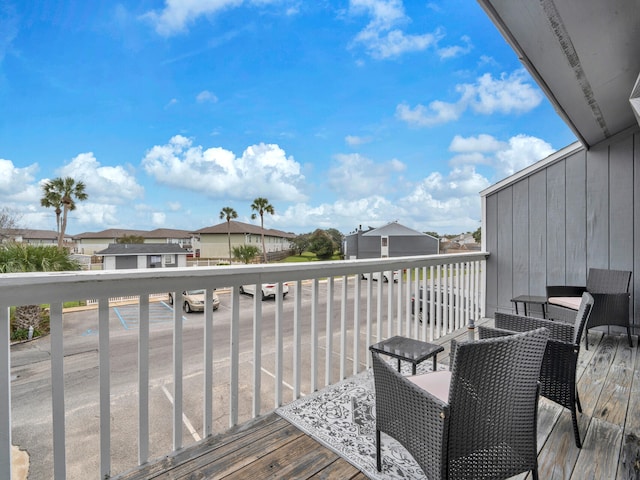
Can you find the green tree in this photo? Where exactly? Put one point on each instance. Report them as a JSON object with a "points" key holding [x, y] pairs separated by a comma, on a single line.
{"points": [[22, 257], [130, 239], [61, 194], [477, 235], [261, 206], [433, 234], [301, 243], [245, 253], [337, 238], [229, 214], [321, 244]]}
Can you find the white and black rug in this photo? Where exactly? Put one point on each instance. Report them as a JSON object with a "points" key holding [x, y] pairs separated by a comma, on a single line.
{"points": [[342, 417]]}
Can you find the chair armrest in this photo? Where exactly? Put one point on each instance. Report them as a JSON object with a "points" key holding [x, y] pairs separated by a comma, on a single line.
{"points": [[517, 323], [565, 290]]}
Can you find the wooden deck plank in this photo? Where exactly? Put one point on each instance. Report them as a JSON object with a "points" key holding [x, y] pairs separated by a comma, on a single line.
{"points": [[629, 464], [599, 456], [300, 459], [609, 386], [614, 398]]}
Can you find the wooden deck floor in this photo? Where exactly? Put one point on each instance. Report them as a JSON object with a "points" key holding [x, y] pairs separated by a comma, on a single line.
{"points": [[609, 389]]}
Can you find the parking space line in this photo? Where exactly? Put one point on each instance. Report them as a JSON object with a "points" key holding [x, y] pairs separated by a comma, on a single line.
{"points": [[185, 420], [117, 312]]}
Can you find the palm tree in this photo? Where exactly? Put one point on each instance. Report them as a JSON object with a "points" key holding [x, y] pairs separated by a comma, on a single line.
{"points": [[20, 257], [262, 206], [228, 213], [61, 194]]}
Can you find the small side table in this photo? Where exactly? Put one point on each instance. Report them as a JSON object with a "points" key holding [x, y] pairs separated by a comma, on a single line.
{"points": [[409, 350], [530, 299]]}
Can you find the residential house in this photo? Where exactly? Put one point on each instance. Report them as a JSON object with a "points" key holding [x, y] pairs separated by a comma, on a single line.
{"points": [[214, 240], [578, 208], [119, 256], [89, 243], [31, 236], [390, 240]]}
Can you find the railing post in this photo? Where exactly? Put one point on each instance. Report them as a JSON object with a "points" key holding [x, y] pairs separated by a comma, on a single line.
{"points": [[57, 392], [105, 388], [5, 394]]}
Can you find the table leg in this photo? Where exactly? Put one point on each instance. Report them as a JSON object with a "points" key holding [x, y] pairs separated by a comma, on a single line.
{"points": [[398, 365], [516, 303], [413, 368], [435, 362]]}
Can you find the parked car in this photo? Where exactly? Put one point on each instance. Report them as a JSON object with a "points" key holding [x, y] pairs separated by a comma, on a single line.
{"points": [[385, 276], [422, 308], [268, 290], [193, 300]]}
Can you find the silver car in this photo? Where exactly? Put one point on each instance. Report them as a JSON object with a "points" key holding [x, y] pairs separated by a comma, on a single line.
{"points": [[193, 300]]}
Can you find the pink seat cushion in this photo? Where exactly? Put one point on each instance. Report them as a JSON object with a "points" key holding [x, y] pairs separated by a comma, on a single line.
{"points": [[568, 302], [436, 383]]}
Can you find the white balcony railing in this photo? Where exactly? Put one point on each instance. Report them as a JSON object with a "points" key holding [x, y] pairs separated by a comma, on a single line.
{"points": [[324, 326]]}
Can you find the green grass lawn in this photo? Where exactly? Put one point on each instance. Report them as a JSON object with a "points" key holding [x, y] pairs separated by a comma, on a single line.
{"points": [[307, 257]]}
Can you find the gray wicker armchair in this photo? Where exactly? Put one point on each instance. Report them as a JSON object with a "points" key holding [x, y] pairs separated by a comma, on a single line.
{"points": [[610, 291], [558, 372], [482, 421]]}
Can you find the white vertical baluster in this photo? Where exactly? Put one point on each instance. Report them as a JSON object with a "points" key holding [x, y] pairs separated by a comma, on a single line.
{"points": [[369, 318], [207, 397], [143, 380], [105, 388], [343, 329], [177, 371], [379, 310], [5, 394], [278, 346], [234, 366], [57, 391], [429, 303], [356, 325], [257, 348], [314, 335], [329, 335], [389, 305], [297, 340]]}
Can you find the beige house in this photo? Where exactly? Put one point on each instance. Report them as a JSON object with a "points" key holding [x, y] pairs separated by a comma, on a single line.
{"points": [[89, 243], [214, 241], [32, 237]]}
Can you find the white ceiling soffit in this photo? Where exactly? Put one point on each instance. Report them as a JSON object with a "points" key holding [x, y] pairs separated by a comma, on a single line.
{"points": [[584, 54]]}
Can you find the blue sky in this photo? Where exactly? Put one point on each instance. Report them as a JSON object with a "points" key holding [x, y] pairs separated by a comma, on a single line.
{"points": [[341, 113]]}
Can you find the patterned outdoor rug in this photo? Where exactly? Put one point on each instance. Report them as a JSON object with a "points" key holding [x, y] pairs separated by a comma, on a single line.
{"points": [[342, 417]]}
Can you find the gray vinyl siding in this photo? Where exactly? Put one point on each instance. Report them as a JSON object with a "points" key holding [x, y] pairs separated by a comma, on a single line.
{"points": [[571, 214]]}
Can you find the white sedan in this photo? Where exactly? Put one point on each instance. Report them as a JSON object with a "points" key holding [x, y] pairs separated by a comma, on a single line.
{"points": [[385, 276], [268, 290]]}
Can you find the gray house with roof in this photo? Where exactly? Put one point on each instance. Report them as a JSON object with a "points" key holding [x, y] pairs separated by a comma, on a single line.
{"points": [[390, 240], [119, 256]]}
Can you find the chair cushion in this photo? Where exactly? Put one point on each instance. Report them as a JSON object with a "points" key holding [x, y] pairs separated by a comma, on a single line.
{"points": [[567, 302], [436, 383]]}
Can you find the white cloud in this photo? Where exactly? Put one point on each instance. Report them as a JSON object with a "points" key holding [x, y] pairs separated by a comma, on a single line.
{"points": [[174, 206], [178, 14], [481, 143], [455, 50], [15, 182], [171, 103], [262, 170], [104, 184], [354, 140], [505, 158], [92, 213], [206, 96], [522, 151], [507, 94], [159, 219], [354, 176], [381, 38]]}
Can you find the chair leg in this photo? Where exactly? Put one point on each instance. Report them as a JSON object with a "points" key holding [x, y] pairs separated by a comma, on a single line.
{"points": [[629, 336], [378, 456], [578, 401], [576, 432], [586, 339], [534, 473]]}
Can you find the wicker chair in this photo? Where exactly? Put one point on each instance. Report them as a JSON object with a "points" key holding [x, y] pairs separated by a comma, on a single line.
{"points": [[610, 291], [482, 421], [558, 372]]}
